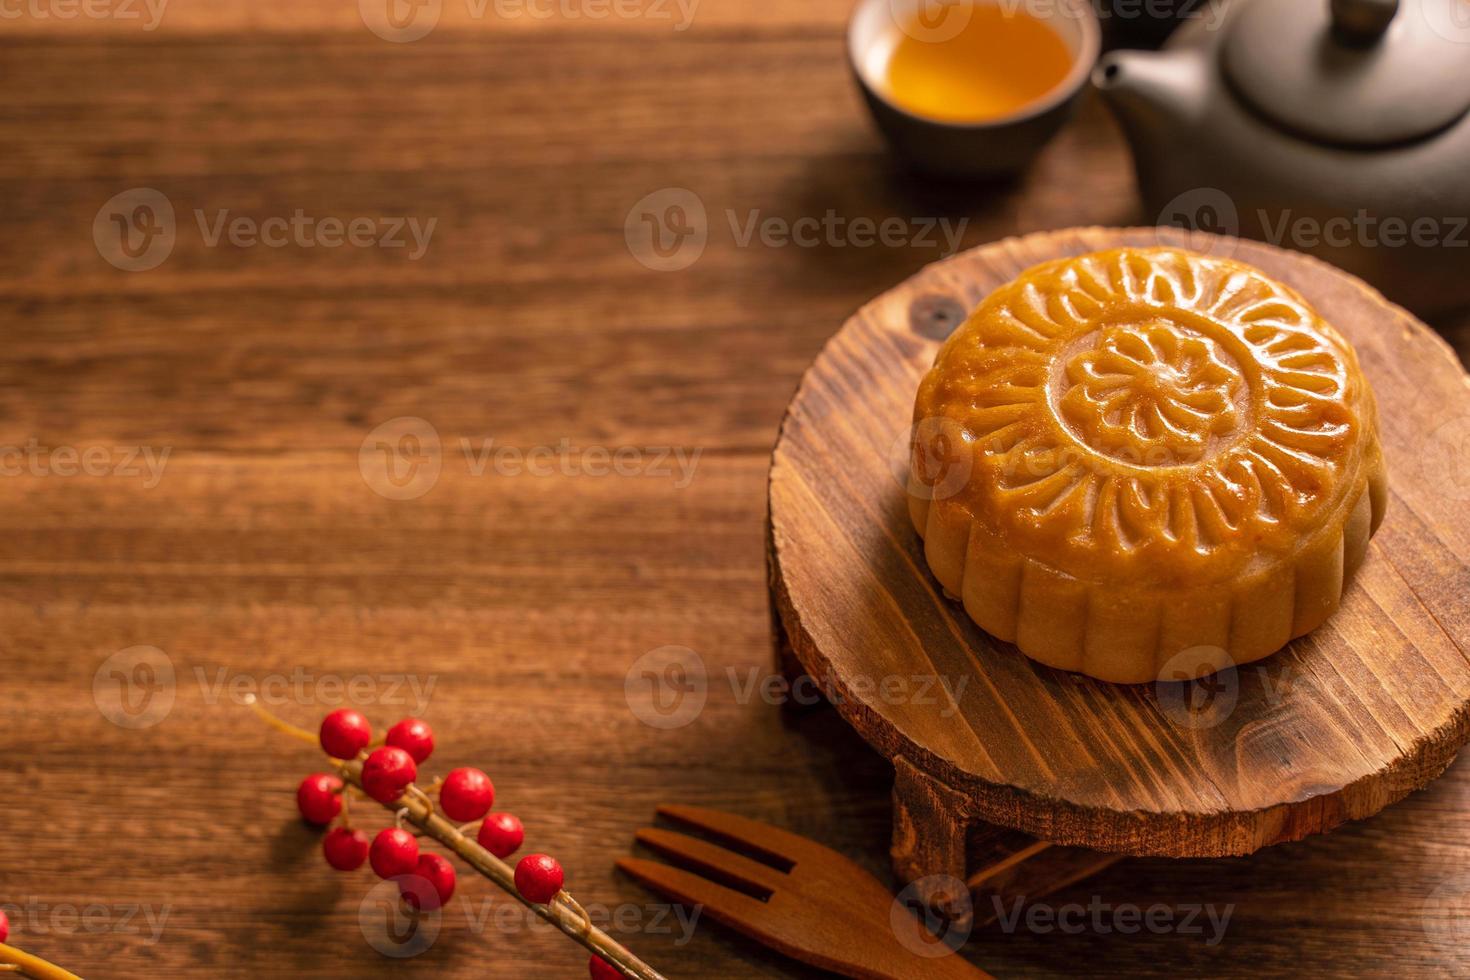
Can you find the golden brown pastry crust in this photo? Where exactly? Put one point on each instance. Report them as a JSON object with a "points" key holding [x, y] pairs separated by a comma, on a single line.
{"points": [[1124, 456]]}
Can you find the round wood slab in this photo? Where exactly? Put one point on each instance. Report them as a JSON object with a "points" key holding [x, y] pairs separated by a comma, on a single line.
{"points": [[1335, 727]]}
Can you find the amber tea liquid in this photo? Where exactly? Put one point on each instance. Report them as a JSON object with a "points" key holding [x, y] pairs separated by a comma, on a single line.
{"points": [[1002, 60]]}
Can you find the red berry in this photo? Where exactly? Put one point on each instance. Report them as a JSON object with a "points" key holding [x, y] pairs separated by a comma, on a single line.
{"points": [[433, 871], [502, 834], [414, 737], [600, 969], [4, 926], [395, 852], [319, 797], [387, 772], [345, 849], [467, 795], [345, 733], [538, 878]]}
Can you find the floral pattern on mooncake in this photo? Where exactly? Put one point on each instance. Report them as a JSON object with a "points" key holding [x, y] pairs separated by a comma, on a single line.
{"points": [[1139, 428]]}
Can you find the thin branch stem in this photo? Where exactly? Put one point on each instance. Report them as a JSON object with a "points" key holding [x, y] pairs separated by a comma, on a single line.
{"points": [[31, 966], [280, 724], [417, 808]]}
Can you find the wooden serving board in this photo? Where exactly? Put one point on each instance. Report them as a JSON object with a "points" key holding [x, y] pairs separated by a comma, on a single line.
{"points": [[1343, 722]]}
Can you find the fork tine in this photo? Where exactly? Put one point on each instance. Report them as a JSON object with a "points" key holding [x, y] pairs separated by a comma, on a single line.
{"points": [[771, 841], [712, 860], [722, 904]]}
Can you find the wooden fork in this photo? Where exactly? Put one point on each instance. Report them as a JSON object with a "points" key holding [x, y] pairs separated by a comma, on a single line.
{"points": [[816, 906]]}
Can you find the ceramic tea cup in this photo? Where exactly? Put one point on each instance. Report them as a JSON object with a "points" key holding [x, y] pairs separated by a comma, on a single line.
{"points": [[935, 141]]}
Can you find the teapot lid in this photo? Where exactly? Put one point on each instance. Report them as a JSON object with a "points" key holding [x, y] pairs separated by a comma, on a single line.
{"points": [[1353, 72]]}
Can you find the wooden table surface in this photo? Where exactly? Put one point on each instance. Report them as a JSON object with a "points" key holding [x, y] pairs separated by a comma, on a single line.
{"points": [[506, 607]]}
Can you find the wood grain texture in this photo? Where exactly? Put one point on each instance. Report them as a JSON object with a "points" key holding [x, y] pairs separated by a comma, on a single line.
{"points": [[1343, 722], [262, 550]]}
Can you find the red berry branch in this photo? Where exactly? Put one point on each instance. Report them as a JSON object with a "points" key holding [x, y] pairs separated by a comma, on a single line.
{"points": [[388, 774], [14, 963]]}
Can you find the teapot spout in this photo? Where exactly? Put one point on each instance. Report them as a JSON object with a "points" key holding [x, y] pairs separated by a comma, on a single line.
{"points": [[1157, 96]]}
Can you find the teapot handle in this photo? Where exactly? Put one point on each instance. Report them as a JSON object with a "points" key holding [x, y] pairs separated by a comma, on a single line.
{"points": [[1362, 22]]}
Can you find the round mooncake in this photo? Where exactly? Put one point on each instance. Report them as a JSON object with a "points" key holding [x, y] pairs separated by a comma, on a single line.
{"points": [[1138, 454]]}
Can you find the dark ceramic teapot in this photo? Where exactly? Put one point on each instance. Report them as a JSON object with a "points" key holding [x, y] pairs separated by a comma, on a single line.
{"points": [[1338, 129]]}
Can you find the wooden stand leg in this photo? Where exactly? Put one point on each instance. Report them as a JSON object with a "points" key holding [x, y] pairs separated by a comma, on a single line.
{"points": [[1011, 870], [931, 825], [937, 841]]}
